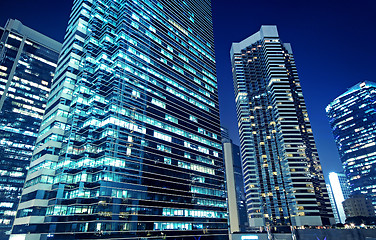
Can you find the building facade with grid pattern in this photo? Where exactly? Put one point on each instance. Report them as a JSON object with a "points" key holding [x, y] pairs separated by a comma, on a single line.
{"points": [[130, 144], [27, 64], [284, 183], [352, 117]]}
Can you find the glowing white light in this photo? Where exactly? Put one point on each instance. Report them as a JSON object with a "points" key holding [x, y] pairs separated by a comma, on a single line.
{"points": [[17, 237], [338, 195], [249, 237]]}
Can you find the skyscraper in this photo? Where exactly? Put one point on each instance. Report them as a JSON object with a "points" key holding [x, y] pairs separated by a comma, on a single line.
{"points": [[338, 192], [130, 143], [352, 117], [284, 183], [27, 65], [235, 185]]}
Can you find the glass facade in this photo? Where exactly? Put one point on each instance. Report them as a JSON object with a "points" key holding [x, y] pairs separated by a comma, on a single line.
{"points": [[27, 65], [130, 143], [338, 192], [284, 183], [352, 117]]}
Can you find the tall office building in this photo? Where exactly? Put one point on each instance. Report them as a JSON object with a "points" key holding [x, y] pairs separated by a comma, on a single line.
{"points": [[284, 183], [352, 117], [339, 191], [237, 210], [27, 64], [130, 144]]}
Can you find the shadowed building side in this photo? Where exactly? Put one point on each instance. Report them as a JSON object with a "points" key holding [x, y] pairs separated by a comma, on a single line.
{"points": [[238, 219]]}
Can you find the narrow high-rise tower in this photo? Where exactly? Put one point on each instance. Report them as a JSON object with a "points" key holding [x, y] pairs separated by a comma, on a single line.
{"points": [[238, 219], [284, 183], [130, 145], [27, 65]]}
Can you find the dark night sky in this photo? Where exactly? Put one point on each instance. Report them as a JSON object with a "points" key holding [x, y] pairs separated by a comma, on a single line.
{"points": [[333, 44]]}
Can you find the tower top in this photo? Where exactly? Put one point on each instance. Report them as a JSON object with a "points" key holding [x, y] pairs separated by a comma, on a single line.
{"points": [[265, 31]]}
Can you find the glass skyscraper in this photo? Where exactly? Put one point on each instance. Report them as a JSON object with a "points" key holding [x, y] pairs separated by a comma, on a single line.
{"points": [[130, 146], [339, 191], [284, 183], [27, 65], [352, 117]]}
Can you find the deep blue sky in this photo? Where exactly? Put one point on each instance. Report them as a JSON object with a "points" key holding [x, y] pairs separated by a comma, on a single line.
{"points": [[333, 44]]}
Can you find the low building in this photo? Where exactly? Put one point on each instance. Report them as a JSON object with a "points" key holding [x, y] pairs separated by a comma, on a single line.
{"points": [[358, 206]]}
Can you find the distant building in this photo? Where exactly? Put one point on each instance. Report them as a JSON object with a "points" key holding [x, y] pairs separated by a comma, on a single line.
{"points": [[238, 219], [284, 183], [352, 117], [27, 65], [358, 206], [332, 203], [225, 135], [339, 191]]}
